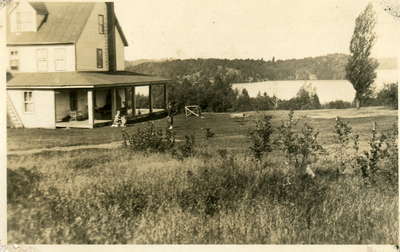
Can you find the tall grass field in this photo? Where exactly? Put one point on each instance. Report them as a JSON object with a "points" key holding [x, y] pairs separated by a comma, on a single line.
{"points": [[216, 194]]}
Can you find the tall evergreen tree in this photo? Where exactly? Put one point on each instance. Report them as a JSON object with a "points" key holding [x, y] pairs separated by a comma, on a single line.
{"points": [[360, 69]]}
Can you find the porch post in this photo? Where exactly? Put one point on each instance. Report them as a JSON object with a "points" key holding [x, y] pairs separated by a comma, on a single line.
{"points": [[150, 99], [113, 103], [126, 98], [90, 108], [165, 96], [133, 92]]}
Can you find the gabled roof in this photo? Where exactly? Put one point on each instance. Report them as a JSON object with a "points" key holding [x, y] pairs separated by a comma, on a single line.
{"points": [[80, 79], [64, 23], [40, 8]]}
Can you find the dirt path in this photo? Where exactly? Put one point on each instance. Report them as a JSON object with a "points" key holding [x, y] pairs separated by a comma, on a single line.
{"points": [[67, 148], [111, 145]]}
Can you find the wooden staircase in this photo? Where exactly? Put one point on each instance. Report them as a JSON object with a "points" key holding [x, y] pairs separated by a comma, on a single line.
{"points": [[13, 119]]}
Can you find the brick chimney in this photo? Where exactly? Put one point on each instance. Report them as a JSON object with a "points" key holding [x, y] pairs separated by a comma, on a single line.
{"points": [[112, 61]]}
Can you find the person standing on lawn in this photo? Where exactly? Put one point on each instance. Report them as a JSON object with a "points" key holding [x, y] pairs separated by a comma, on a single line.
{"points": [[171, 110]]}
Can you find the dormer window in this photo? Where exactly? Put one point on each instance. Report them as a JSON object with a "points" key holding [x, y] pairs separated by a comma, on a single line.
{"points": [[101, 24], [23, 21]]}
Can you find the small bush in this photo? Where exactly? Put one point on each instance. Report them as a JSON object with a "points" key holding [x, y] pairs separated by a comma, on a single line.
{"points": [[149, 139], [260, 138], [382, 150], [345, 154], [209, 133], [391, 161], [187, 149], [301, 149], [338, 104]]}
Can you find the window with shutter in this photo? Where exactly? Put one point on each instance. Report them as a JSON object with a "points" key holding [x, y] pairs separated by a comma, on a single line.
{"points": [[59, 55], [42, 62]]}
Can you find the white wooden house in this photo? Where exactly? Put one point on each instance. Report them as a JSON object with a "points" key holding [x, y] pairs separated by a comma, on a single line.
{"points": [[66, 65]]}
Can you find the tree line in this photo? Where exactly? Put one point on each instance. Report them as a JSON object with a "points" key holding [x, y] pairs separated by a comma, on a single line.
{"points": [[217, 95], [328, 67]]}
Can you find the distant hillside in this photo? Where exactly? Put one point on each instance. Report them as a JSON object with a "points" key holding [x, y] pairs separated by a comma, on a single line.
{"points": [[132, 63], [387, 63], [328, 67]]}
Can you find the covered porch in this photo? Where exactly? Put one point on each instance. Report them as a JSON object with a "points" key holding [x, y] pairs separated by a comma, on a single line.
{"points": [[87, 99], [98, 106]]}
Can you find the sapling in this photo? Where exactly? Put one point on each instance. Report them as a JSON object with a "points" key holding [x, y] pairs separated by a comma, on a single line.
{"points": [[344, 138], [261, 138], [300, 148]]}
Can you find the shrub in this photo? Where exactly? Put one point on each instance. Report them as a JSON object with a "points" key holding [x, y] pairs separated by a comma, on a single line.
{"points": [[338, 104], [149, 139], [187, 149], [391, 162], [260, 138], [209, 133], [301, 149], [343, 139], [382, 149]]}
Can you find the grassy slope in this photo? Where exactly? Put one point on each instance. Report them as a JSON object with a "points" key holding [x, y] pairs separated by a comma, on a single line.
{"points": [[116, 196]]}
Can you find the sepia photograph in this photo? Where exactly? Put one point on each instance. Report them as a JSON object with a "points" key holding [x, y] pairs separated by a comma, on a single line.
{"points": [[201, 122]]}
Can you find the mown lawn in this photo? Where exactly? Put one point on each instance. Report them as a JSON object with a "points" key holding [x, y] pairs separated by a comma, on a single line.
{"points": [[220, 195], [230, 128]]}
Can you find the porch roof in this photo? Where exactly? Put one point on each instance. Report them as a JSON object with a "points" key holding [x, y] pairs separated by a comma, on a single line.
{"points": [[56, 80]]}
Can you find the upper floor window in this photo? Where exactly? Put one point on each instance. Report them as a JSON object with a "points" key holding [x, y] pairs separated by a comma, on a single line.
{"points": [[59, 57], [101, 24], [99, 58], [23, 21], [14, 62], [42, 60], [28, 101]]}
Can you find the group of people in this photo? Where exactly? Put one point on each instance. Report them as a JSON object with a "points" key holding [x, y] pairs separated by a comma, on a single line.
{"points": [[120, 118]]}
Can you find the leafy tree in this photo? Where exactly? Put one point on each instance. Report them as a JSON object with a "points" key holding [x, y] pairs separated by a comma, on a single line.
{"points": [[223, 95], [360, 69], [388, 96], [243, 102]]}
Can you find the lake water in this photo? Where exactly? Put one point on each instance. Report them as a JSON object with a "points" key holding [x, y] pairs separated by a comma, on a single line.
{"points": [[327, 90]]}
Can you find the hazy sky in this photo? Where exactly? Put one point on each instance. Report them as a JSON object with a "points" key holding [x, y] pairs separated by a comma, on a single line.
{"points": [[248, 28]]}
